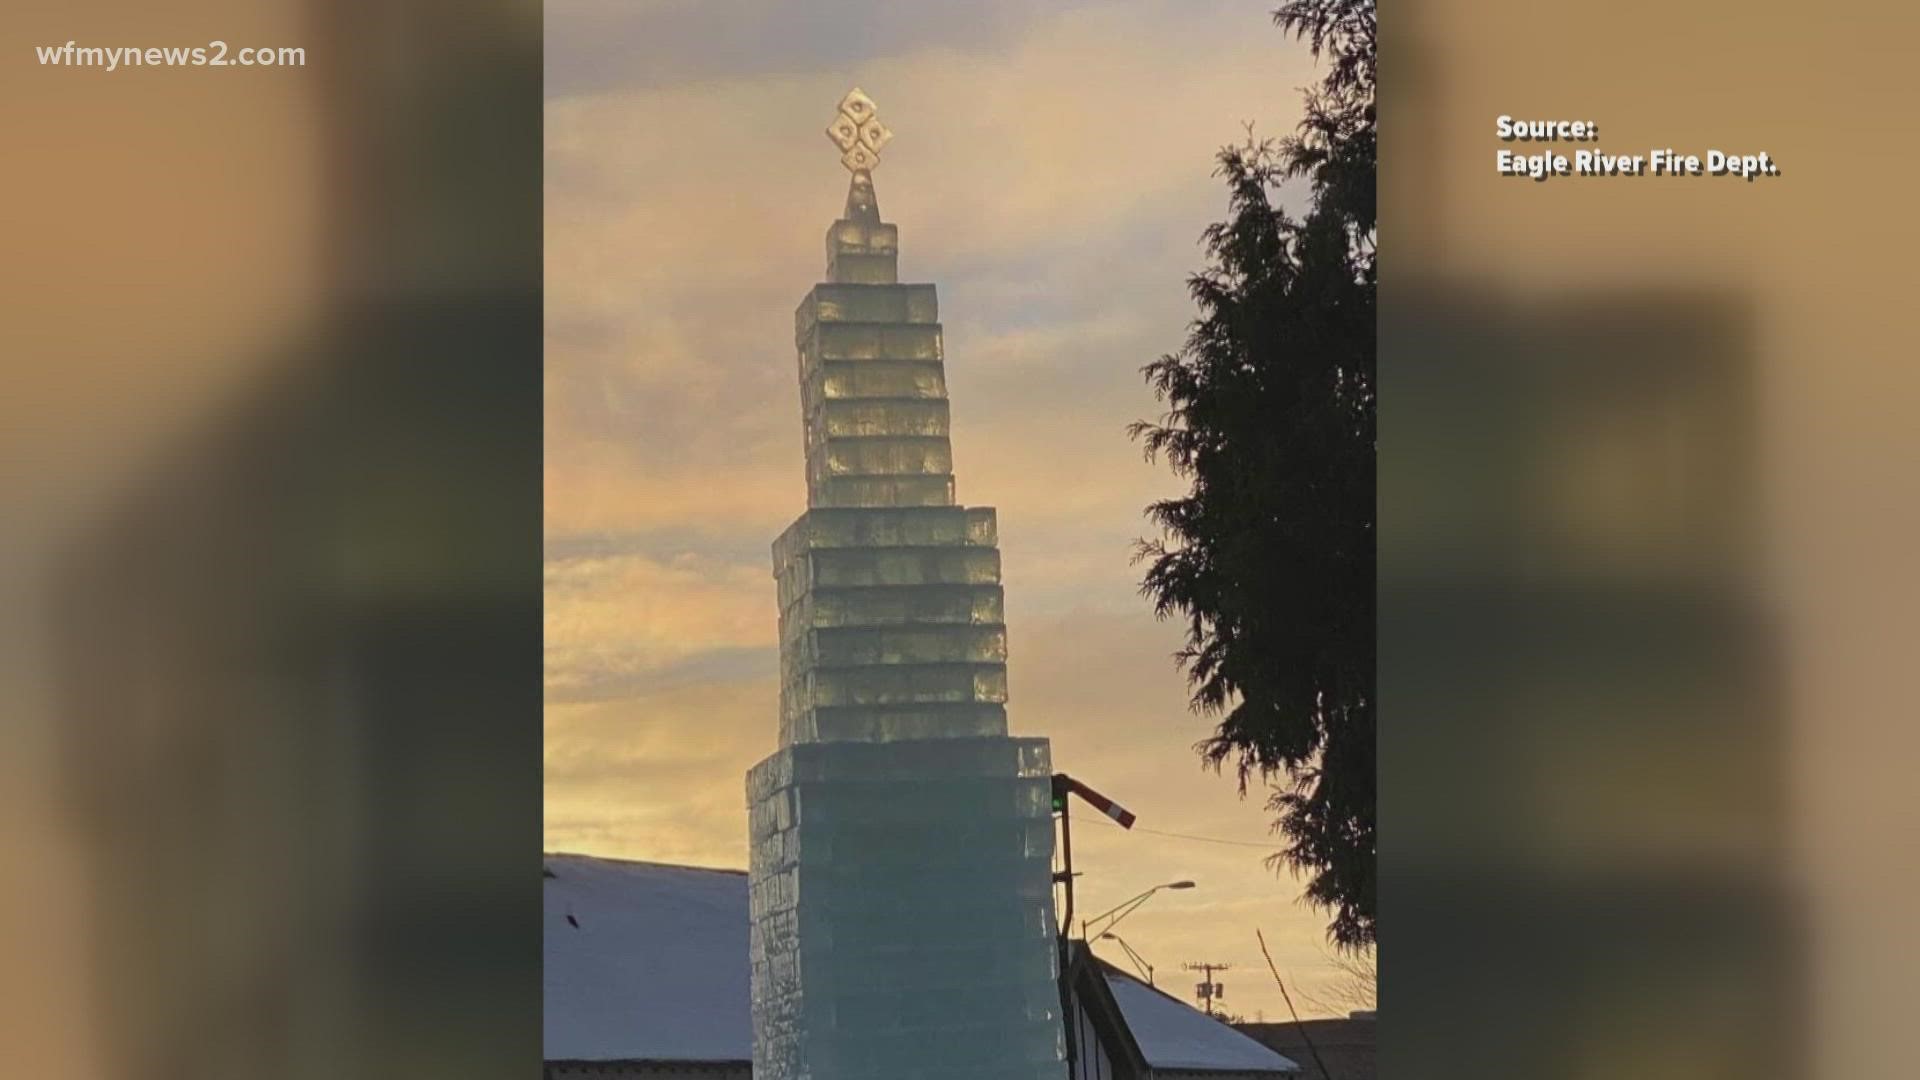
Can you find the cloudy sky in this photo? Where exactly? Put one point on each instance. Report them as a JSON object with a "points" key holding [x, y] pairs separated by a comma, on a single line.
{"points": [[1051, 173]]}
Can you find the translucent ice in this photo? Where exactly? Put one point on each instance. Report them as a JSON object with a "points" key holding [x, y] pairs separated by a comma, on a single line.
{"points": [[900, 842], [904, 917]]}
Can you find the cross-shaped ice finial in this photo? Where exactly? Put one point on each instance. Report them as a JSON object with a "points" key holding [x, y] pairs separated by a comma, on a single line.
{"points": [[858, 132]]}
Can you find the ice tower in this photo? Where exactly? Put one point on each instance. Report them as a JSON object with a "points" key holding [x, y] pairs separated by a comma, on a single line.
{"points": [[902, 842]]}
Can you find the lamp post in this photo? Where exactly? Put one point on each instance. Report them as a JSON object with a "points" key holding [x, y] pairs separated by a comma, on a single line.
{"points": [[1128, 907], [1139, 962]]}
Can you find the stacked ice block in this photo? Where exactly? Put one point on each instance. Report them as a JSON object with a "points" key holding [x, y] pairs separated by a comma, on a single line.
{"points": [[901, 842]]}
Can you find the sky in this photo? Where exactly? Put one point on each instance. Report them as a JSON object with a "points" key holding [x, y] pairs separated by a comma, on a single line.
{"points": [[1051, 172]]}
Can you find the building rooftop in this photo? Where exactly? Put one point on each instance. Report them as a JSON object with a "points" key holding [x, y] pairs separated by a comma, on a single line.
{"points": [[1345, 1045], [648, 962], [644, 962], [1173, 1035]]}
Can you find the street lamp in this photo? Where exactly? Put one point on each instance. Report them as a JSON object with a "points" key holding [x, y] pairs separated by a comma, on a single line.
{"points": [[1139, 963], [1128, 907]]}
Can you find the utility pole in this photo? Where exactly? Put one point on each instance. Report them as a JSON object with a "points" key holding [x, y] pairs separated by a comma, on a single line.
{"points": [[1064, 788], [1208, 991]]}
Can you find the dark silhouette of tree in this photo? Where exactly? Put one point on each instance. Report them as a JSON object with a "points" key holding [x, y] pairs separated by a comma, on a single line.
{"points": [[1269, 557]]}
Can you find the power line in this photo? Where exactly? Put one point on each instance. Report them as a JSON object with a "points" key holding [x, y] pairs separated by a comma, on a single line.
{"points": [[1190, 836]]}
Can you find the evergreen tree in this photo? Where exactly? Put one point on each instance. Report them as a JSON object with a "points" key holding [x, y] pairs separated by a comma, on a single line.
{"points": [[1269, 556]]}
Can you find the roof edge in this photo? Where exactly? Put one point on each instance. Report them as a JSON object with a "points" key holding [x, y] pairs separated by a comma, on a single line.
{"points": [[640, 862]]}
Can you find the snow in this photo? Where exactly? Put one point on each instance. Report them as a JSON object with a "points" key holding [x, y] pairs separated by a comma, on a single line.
{"points": [[657, 967], [1173, 1035], [656, 970]]}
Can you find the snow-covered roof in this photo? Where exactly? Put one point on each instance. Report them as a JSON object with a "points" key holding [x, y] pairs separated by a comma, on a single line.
{"points": [[1174, 1035], [648, 962], [645, 962]]}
